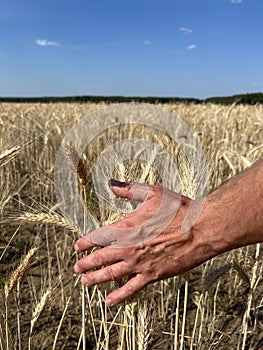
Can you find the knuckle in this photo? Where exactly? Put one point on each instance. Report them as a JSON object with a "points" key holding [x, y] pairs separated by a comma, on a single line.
{"points": [[123, 224], [126, 224], [130, 251], [109, 273], [151, 274], [156, 190], [130, 289], [96, 258]]}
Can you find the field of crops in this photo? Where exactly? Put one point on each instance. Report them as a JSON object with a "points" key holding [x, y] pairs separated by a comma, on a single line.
{"points": [[218, 305]]}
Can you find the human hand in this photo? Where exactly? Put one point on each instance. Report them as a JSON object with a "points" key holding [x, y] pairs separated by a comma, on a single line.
{"points": [[147, 245]]}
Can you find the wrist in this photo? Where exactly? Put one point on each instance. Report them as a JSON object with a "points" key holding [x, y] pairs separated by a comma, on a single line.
{"points": [[232, 215], [212, 229]]}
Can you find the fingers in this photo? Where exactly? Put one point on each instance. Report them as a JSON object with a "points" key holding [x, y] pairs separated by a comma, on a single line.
{"points": [[109, 273], [113, 272], [115, 235], [133, 286], [103, 236], [106, 236], [99, 258], [130, 190]]}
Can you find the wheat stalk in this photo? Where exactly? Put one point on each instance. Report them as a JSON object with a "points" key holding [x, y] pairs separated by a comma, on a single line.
{"points": [[2, 340], [9, 154], [78, 164]]}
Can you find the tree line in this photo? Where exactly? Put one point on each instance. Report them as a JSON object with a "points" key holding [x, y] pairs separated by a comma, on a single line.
{"points": [[248, 99]]}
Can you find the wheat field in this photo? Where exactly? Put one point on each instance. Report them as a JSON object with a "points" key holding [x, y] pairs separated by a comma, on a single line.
{"points": [[218, 305]]}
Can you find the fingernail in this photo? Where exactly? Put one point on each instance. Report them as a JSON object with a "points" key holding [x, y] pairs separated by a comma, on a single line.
{"points": [[84, 280], [76, 247], [113, 182], [76, 268], [109, 301]]}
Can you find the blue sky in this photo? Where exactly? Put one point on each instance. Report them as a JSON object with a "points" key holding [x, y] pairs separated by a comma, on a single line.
{"points": [[185, 48]]}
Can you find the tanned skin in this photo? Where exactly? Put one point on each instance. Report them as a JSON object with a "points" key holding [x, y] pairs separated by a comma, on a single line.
{"points": [[232, 217]]}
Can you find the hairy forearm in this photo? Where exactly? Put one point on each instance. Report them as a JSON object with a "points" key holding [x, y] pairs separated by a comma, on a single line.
{"points": [[233, 214]]}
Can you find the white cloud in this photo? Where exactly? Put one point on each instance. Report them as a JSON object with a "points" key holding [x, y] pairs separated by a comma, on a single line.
{"points": [[235, 1], [191, 47], [147, 42], [44, 42], [186, 31]]}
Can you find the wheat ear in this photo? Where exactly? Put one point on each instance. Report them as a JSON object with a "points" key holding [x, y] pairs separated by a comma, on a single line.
{"points": [[50, 219], [39, 307], [37, 311], [215, 274], [77, 163], [20, 272], [241, 273]]}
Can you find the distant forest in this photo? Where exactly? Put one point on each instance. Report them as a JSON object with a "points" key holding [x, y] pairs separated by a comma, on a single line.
{"points": [[247, 99]]}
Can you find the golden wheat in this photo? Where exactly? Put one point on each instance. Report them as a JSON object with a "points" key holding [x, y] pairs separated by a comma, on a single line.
{"points": [[39, 307], [20, 271], [50, 219], [231, 138]]}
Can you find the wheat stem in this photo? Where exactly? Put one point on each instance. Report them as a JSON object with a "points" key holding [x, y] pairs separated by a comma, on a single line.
{"points": [[64, 313], [9, 154]]}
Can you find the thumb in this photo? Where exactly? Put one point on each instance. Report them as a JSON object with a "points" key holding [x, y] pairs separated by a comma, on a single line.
{"points": [[130, 190]]}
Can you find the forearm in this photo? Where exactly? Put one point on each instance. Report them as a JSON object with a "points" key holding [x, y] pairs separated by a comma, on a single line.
{"points": [[233, 214]]}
